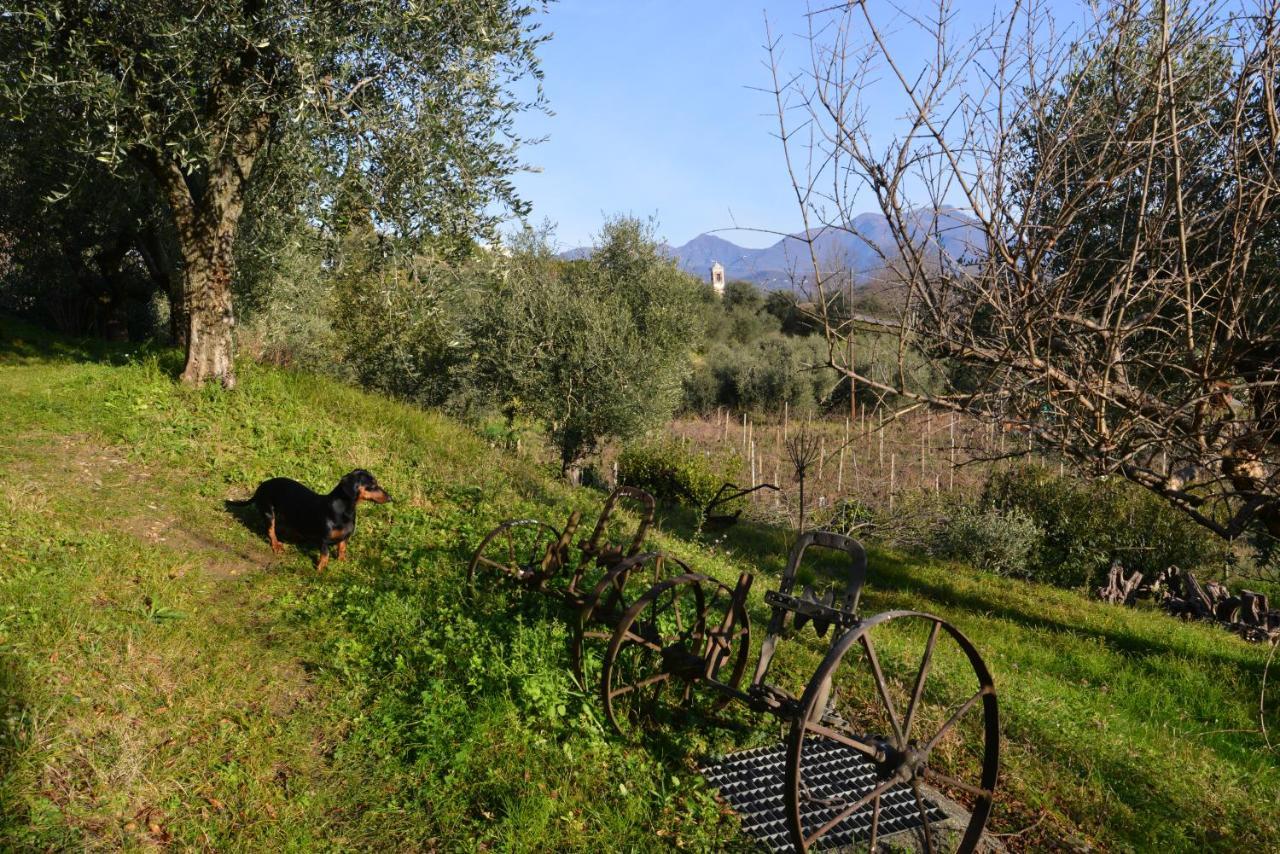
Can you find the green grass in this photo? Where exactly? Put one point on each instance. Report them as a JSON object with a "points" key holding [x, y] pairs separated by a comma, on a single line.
{"points": [[165, 678]]}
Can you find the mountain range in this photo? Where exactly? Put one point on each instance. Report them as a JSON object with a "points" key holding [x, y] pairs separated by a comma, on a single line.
{"points": [[863, 247]]}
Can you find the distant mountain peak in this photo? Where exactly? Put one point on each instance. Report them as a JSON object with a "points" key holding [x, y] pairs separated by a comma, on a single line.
{"points": [[862, 247]]}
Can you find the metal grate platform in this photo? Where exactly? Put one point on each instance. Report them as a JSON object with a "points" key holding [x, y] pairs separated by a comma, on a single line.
{"points": [[751, 781]]}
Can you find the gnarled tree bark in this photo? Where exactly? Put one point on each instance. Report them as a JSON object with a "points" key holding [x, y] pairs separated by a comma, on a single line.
{"points": [[206, 214]]}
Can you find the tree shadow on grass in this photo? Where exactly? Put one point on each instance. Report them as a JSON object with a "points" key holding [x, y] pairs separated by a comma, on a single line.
{"points": [[23, 343], [763, 545], [13, 734], [895, 576]]}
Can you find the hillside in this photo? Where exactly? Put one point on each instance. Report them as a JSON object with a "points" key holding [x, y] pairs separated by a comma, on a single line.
{"points": [[166, 679]]}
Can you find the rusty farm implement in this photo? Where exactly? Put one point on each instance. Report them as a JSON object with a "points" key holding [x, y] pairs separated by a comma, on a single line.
{"points": [[893, 739], [597, 578]]}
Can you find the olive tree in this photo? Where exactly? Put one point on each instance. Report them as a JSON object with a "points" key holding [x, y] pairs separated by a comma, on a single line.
{"points": [[415, 99], [593, 349]]}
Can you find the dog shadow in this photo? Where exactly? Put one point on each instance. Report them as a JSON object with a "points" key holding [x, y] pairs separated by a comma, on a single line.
{"points": [[255, 523]]}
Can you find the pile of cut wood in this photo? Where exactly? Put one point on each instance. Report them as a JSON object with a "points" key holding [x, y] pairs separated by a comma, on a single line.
{"points": [[1182, 595]]}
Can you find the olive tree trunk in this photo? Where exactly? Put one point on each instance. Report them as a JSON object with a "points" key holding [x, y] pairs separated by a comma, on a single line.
{"points": [[206, 214], [207, 268]]}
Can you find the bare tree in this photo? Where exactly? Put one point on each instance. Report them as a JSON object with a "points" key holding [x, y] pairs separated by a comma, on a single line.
{"points": [[1085, 224], [803, 451]]}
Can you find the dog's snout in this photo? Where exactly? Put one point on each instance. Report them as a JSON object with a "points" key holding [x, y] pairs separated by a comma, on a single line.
{"points": [[375, 493]]}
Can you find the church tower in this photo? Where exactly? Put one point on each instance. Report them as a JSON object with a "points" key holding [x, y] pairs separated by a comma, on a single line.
{"points": [[717, 278]]}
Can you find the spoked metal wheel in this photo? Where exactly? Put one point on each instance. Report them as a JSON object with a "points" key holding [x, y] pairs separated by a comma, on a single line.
{"points": [[604, 606], [525, 551], [661, 649], [901, 709]]}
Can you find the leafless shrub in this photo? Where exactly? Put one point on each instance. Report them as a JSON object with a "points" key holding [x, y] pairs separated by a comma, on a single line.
{"points": [[803, 448]]}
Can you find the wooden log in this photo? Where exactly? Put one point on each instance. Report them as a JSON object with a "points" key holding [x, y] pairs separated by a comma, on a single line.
{"points": [[1227, 610], [1246, 614], [1217, 592], [1197, 601], [1253, 608]]}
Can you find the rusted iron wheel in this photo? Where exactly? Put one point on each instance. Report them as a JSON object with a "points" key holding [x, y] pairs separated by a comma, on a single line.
{"points": [[661, 648], [907, 695], [526, 551], [604, 606]]}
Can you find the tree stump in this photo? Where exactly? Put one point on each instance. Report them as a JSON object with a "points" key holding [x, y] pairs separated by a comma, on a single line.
{"points": [[1119, 589]]}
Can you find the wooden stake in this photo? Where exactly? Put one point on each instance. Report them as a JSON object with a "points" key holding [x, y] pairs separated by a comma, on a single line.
{"points": [[951, 483], [880, 438], [924, 438], [893, 464]]}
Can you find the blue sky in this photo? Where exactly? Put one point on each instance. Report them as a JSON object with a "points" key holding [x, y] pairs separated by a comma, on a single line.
{"points": [[654, 116]]}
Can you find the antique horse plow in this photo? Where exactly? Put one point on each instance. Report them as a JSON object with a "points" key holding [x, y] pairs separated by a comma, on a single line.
{"points": [[900, 710], [537, 556]]}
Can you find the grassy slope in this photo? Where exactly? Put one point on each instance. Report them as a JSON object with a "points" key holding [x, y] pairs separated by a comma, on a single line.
{"points": [[164, 677]]}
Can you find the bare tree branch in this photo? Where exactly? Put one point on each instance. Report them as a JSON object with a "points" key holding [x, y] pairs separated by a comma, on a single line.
{"points": [[1086, 230]]}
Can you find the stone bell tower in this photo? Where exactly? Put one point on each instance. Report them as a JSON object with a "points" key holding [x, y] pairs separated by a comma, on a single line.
{"points": [[717, 278]]}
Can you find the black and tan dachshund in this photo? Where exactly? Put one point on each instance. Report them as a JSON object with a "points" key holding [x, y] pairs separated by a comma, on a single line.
{"points": [[326, 520]]}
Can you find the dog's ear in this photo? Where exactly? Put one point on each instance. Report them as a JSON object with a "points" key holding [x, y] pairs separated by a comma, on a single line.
{"points": [[350, 485]]}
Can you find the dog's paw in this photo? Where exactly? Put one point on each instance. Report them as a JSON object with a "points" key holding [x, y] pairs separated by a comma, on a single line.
{"points": [[277, 548]]}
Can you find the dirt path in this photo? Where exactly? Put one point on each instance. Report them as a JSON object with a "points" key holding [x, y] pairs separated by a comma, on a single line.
{"points": [[174, 701]]}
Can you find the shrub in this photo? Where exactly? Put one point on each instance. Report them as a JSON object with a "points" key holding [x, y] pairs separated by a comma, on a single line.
{"points": [[399, 328], [917, 522], [761, 374], [942, 526], [701, 390], [847, 516], [1087, 524], [675, 473], [290, 325], [1004, 543]]}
